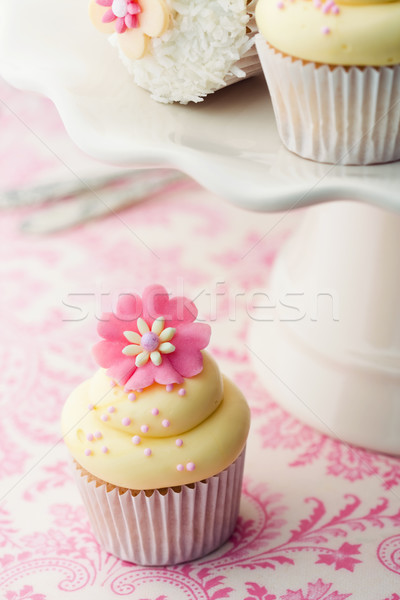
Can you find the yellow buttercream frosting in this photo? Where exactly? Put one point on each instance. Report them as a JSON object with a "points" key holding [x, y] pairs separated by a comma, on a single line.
{"points": [[156, 438], [345, 32]]}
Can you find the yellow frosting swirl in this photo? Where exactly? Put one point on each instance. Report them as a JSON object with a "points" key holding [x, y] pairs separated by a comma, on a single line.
{"points": [[155, 438], [345, 32]]}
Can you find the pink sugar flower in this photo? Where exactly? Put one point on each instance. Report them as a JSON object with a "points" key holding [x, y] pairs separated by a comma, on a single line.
{"points": [[151, 339], [123, 12], [137, 20]]}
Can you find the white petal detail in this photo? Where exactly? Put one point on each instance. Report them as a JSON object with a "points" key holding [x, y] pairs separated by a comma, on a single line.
{"points": [[167, 334], [132, 350], [132, 337], [158, 325], [166, 348], [156, 358], [142, 358], [142, 326]]}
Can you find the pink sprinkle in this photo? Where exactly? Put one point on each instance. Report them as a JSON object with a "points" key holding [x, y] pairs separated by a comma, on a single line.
{"points": [[325, 30], [89, 437], [190, 466], [165, 423], [147, 451], [104, 449], [131, 397], [179, 442], [335, 9], [113, 384], [90, 406], [88, 452], [136, 439], [139, 391], [144, 428], [111, 409], [98, 435], [155, 411], [179, 467], [126, 421], [104, 417], [280, 4], [169, 387], [182, 392]]}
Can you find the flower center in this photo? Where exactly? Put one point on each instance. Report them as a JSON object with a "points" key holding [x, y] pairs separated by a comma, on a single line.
{"points": [[150, 341], [120, 8]]}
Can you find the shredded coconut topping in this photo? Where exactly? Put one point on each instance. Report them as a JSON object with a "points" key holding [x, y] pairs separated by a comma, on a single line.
{"points": [[198, 53]]}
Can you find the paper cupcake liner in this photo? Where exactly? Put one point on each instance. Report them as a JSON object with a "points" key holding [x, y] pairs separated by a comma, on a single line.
{"points": [[343, 115], [163, 527], [249, 64]]}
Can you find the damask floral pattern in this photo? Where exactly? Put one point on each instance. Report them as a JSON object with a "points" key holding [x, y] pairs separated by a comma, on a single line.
{"points": [[26, 593], [315, 591], [319, 520]]}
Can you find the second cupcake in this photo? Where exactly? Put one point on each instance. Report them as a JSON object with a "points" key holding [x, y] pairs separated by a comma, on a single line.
{"points": [[333, 71]]}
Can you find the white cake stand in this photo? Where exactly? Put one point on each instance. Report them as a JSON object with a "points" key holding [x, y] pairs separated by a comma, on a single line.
{"points": [[327, 342]]}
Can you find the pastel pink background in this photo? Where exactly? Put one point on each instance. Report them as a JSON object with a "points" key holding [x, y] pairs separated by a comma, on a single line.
{"points": [[319, 520]]}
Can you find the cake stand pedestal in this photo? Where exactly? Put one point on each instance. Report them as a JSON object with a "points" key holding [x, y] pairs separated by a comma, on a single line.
{"points": [[329, 351]]}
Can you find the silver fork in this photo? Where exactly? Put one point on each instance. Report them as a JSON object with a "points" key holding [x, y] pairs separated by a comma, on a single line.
{"points": [[47, 192], [84, 200]]}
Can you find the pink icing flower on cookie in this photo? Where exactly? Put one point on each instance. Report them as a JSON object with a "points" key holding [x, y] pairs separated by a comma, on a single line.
{"points": [[151, 339], [137, 20]]}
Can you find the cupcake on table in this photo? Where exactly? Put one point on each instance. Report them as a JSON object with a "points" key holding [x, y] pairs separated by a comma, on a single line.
{"points": [[333, 72], [157, 435]]}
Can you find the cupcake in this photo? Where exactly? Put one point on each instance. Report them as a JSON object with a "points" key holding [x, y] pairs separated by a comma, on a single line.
{"points": [[157, 435], [181, 51], [333, 72]]}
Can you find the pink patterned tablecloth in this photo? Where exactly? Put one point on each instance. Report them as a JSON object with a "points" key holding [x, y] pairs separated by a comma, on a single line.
{"points": [[318, 521]]}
